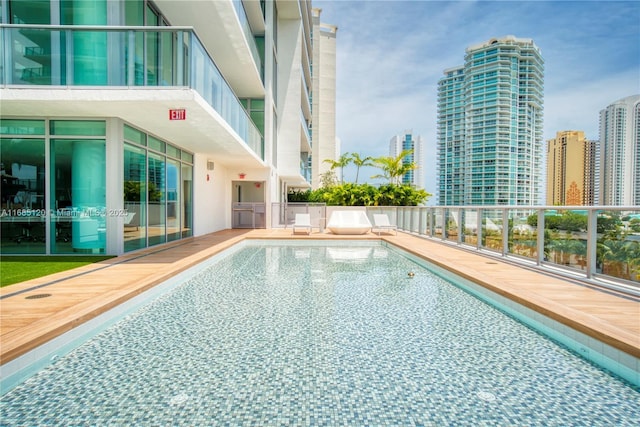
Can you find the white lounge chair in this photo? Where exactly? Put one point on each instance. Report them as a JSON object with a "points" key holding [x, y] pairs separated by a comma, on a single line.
{"points": [[381, 223], [302, 221], [128, 219], [349, 222]]}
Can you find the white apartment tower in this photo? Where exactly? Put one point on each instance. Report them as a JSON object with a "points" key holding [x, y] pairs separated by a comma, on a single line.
{"points": [[323, 132], [130, 123], [489, 126], [408, 141], [620, 153]]}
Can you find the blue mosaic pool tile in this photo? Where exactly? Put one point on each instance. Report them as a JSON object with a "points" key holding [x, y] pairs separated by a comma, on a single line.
{"points": [[320, 336]]}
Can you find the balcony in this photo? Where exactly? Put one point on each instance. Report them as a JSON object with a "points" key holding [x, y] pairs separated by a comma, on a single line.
{"points": [[131, 59]]}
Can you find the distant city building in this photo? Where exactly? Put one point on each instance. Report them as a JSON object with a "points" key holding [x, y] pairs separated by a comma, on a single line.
{"points": [[323, 133], [489, 126], [408, 141], [620, 153], [571, 161]]}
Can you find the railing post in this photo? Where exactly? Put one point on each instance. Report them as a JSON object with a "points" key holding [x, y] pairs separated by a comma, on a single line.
{"points": [[592, 242], [505, 231], [459, 217], [479, 228], [540, 237]]}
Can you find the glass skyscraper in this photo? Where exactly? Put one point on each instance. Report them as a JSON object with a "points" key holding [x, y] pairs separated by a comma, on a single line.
{"points": [[409, 141], [620, 153], [490, 146]]}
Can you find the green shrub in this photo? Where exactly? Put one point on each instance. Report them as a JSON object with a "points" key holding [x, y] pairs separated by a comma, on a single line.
{"points": [[350, 194]]}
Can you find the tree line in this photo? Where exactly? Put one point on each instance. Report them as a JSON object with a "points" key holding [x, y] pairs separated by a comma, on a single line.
{"points": [[334, 192]]}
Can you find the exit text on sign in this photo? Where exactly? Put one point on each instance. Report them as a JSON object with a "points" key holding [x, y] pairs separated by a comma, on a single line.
{"points": [[180, 114]]}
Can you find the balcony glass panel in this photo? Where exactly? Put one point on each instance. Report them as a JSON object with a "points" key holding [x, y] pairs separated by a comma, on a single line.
{"points": [[492, 229], [523, 233], [565, 238], [452, 225], [248, 34], [469, 227], [618, 244]]}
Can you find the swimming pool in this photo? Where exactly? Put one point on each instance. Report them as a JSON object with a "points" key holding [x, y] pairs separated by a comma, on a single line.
{"points": [[319, 334]]}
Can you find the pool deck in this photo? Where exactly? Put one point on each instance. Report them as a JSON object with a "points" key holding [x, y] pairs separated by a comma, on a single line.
{"points": [[65, 300]]}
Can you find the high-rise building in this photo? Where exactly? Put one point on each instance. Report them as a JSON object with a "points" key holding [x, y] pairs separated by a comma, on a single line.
{"points": [[323, 133], [489, 126], [127, 124], [450, 147], [620, 153], [571, 160], [408, 141]]}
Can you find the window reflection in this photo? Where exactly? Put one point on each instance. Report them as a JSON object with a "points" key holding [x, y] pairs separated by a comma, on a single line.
{"points": [[78, 211], [23, 213], [135, 199]]}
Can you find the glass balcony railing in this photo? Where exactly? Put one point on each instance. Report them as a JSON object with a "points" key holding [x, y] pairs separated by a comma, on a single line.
{"points": [[54, 55], [590, 242], [248, 34]]}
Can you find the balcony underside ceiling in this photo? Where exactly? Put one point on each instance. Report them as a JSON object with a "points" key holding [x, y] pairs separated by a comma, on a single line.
{"points": [[203, 131]]}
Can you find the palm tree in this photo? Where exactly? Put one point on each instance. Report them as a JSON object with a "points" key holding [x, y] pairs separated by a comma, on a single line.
{"points": [[343, 161], [360, 162], [394, 168]]}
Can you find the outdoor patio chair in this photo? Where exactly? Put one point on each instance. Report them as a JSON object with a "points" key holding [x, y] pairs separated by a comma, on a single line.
{"points": [[302, 221], [381, 223]]}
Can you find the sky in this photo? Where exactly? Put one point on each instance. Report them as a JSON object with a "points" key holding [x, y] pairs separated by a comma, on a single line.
{"points": [[391, 54]]}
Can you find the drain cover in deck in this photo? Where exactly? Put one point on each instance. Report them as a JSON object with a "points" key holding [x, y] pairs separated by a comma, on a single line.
{"points": [[37, 296]]}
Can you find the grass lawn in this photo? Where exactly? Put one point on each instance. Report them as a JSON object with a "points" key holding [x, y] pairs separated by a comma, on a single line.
{"points": [[15, 269]]}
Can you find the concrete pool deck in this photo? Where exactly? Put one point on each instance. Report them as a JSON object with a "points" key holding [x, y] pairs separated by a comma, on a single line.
{"points": [[36, 311]]}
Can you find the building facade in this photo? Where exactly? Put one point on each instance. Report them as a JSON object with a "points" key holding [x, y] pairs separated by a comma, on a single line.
{"points": [[571, 169], [408, 141], [323, 133], [620, 153], [490, 115], [127, 124]]}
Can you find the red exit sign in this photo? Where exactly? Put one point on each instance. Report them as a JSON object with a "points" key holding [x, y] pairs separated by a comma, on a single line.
{"points": [[180, 114]]}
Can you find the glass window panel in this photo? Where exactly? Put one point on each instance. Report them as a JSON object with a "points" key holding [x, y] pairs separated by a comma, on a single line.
{"points": [[156, 144], [74, 12], [187, 200], [134, 135], [78, 202], [157, 217], [134, 13], [167, 62], [30, 12], [153, 43], [78, 127], [23, 215], [173, 200], [135, 197], [187, 157], [173, 151], [31, 56], [22, 127]]}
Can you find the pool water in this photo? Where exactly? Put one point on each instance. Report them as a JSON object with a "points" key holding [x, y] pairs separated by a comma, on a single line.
{"points": [[320, 335]]}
